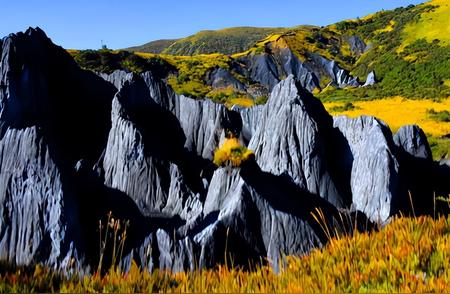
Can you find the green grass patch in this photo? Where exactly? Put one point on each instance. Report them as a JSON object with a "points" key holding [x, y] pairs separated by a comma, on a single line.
{"points": [[440, 147], [341, 108], [443, 116]]}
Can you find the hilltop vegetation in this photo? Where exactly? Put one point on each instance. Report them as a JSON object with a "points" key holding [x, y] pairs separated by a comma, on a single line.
{"points": [[107, 61], [409, 60], [225, 41], [155, 47], [413, 67]]}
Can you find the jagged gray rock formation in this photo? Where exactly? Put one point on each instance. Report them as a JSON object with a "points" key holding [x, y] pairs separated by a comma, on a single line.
{"points": [[33, 225], [412, 140], [129, 170], [263, 69], [270, 68], [249, 210], [289, 139], [375, 180], [222, 78], [75, 146], [339, 77], [357, 45], [117, 77], [370, 80], [203, 122], [291, 65], [250, 120], [40, 142]]}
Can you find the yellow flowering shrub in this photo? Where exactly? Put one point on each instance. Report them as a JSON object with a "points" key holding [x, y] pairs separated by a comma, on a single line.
{"points": [[231, 152]]}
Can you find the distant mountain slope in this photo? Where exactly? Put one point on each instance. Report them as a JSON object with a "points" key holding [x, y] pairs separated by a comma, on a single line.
{"points": [[402, 52], [156, 47], [225, 41], [408, 49]]}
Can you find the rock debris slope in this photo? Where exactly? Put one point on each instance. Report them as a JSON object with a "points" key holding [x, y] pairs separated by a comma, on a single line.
{"points": [[75, 145]]}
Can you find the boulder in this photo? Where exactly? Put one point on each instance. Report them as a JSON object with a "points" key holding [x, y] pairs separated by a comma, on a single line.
{"points": [[375, 180], [370, 80], [412, 140]]}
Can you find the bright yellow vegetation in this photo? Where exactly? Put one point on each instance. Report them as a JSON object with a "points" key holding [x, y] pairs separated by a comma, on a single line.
{"points": [[72, 51], [230, 96], [259, 46], [388, 28], [231, 152], [242, 101], [434, 24], [398, 111], [447, 83], [408, 255]]}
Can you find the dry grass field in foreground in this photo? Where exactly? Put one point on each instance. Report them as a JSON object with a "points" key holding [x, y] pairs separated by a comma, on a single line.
{"points": [[407, 255]]}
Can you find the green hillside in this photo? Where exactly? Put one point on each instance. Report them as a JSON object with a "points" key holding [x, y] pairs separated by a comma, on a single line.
{"points": [[226, 41], [156, 47], [409, 61], [408, 48]]}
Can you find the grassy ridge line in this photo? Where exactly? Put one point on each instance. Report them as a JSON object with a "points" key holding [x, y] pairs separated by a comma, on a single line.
{"points": [[407, 255], [224, 41], [157, 46]]}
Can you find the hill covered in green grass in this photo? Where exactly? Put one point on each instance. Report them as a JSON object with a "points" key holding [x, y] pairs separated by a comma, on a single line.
{"points": [[408, 60], [157, 46], [225, 41], [408, 48]]}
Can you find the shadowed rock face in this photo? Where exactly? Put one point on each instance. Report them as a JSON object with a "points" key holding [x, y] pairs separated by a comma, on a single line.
{"points": [[222, 78], [51, 115], [75, 146]]}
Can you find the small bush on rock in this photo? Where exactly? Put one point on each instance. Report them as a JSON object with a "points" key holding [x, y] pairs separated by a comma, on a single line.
{"points": [[231, 153]]}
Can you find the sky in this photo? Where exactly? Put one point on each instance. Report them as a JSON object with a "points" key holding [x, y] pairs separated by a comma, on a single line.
{"points": [[87, 24]]}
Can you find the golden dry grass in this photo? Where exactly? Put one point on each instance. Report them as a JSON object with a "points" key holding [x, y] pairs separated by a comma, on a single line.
{"points": [[408, 255], [72, 51], [398, 111]]}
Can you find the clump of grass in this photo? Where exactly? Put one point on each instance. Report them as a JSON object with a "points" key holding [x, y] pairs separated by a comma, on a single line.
{"points": [[440, 147], [261, 100], [442, 116], [231, 153], [341, 108], [115, 234], [230, 96]]}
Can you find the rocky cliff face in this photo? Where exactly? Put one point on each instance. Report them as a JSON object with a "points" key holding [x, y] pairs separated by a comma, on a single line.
{"points": [[275, 64], [74, 146]]}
